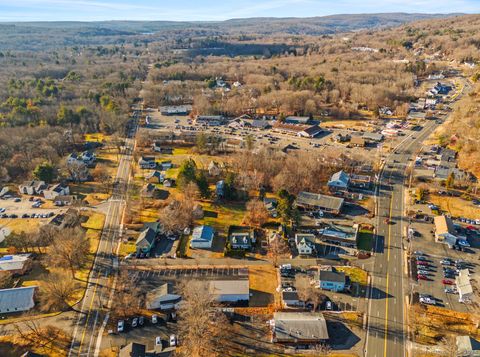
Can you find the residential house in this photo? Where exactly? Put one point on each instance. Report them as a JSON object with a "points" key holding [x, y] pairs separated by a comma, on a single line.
{"points": [[332, 280], [158, 147], [305, 243], [156, 226], [32, 187], [155, 177], [214, 169], [299, 328], [442, 173], [467, 347], [162, 298], [60, 189], [291, 299], [297, 120], [310, 132], [146, 241], [165, 165], [339, 181], [441, 88], [210, 120], [271, 206], [78, 171], [358, 141], [17, 299], [340, 234], [5, 191], [230, 291], [220, 189], [445, 231], [360, 181], [87, 157], [150, 190], [66, 200], [169, 182], [16, 264], [464, 286], [202, 237], [340, 138], [313, 201], [133, 349], [147, 162], [241, 240]]}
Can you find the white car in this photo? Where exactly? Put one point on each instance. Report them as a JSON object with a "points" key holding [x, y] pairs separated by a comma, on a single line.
{"points": [[173, 340], [427, 300], [120, 326], [158, 341], [154, 319], [2, 209]]}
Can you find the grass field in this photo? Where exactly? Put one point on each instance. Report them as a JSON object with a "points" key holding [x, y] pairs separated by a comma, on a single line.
{"points": [[456, 206], [221, 217], [355, 274]]}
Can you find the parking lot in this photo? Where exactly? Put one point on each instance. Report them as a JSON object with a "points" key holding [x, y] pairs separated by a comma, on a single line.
{"points": [[170, 273], [424, 241]]}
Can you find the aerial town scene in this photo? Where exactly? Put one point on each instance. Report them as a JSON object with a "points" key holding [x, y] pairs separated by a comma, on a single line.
{"points": [[253, 178]]}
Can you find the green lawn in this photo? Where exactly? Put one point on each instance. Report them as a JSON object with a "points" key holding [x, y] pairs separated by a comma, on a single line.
{"points": [[365, 240]]}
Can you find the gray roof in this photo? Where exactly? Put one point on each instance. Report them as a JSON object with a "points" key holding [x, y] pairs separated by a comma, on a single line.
{"points": [[304, 326], [17, 299], [333, 276], [164, 294], [313, 130], [319, 200], [373, 136], [297, 119], [340, 176], [146, 237], [289, 295]]}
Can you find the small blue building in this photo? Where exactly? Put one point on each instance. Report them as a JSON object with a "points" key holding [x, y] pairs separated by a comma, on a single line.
{"points": [[332, 280]]}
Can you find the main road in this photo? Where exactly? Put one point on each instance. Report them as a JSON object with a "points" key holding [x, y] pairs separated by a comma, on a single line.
{"points": [[386, 327], [91, 318]]}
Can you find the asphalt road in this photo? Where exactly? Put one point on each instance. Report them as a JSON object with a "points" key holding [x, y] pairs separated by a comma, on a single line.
{"points": [[88, 328], [386, 328]]}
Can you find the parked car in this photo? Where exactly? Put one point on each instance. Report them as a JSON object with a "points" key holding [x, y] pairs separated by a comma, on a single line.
{"points": [[135, 322], [446, 262], [158, 341], [173, 340], [120, 326], [447, 282], [328, 305], [418, 253], [141, 320], [421, 258], [154, 319], [2, 209], [428, 300], [17, 199], [422, 277], [422, 263], [423, 272], [450, 290]]}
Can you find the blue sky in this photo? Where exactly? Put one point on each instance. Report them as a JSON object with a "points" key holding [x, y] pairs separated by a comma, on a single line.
{"points": [[200, 10]]}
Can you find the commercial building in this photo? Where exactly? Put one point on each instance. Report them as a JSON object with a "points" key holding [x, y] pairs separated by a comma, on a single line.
{"points": [[299, 328]]}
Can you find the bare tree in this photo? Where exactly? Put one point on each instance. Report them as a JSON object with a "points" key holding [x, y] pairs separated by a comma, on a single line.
{"points": [[127, 296], [70, 248], [307, 291], [56, 291], [277, 248], [256, 215], [203, 329], [102, 176]]}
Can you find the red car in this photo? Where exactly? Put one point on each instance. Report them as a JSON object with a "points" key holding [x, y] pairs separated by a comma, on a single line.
{"points": [[421, 277], [422, 263], [447, 282]]}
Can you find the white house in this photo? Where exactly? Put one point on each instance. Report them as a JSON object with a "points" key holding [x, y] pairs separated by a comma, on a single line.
{"points": [[339, 181], [147, 162], [60, 189], [305, 243], [32, 187], [202, 237]]}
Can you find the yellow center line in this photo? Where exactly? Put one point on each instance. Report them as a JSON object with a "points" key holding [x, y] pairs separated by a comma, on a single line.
{"points": [[386, 289]]}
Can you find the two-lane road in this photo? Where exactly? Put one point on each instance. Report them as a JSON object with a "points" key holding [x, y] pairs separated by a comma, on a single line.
{"points": [[93, 308]]}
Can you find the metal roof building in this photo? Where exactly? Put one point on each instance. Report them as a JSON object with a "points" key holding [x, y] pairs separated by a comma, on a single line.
{"points": [[299, 327], [16, 299]]}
